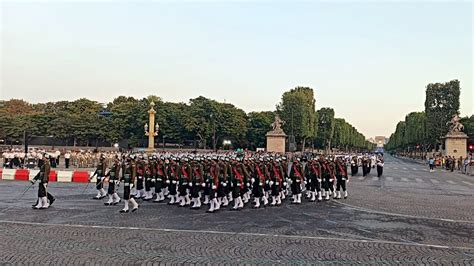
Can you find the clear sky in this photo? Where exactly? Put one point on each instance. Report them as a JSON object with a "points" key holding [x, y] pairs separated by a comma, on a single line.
{"points": [[369, 61]]}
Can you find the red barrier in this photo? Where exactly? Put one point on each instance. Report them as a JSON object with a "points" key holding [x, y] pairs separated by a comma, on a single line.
{"points": [[22, 174], [1, 172], [53, 176], [80, 177]]}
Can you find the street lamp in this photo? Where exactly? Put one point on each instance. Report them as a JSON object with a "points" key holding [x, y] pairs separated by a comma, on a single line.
{"points": [[226, 143], [213, 132], [103, 112], [151, 129]]}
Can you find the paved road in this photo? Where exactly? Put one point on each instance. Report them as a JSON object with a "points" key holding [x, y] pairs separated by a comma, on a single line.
{"points": [[417, 217]]}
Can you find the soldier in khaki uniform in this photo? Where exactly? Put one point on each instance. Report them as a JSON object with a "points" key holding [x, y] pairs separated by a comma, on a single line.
{"points": [[43, 177]]}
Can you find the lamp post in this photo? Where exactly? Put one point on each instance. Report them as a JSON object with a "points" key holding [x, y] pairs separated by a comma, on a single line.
{"points": [[151, 129]]}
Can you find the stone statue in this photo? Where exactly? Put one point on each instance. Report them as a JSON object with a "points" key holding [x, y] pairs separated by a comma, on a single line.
{"points": [[276, 125], [455, 125]]}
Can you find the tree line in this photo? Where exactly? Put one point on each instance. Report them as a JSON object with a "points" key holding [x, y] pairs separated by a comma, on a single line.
{"points": [[422, 131], [202, 122]]}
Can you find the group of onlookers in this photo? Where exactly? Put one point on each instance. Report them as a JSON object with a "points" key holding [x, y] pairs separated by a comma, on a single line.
{"points": [[450, 163]]}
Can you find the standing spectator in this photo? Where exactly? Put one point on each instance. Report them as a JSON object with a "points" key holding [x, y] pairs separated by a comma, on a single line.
{"points": [[451, 166], [466, 164], [431, 162], [67, 158], [57, 155]]}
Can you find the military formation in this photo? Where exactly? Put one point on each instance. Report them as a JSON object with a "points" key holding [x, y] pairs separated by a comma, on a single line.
{"points": [[230, 180], [217, 181]]}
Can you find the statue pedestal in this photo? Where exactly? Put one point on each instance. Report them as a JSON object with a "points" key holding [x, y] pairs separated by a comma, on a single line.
{"points": [[276, 141], [456, 144]]}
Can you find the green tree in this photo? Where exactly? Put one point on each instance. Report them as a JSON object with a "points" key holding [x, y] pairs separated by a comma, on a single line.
{"points": [[441, 104], [259, 123], [326, 123], [297, 109], [468, 123], [201, 120], [415, 131]]}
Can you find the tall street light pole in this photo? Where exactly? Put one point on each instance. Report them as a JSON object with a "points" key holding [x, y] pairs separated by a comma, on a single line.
{"points": [[151, 129]]}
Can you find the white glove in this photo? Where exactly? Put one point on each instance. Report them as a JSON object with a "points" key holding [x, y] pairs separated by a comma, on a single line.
{"points": [[174, 181], [330, 180], [271, 183], [190, 184], [248, 184], [284, 183], [261, 184], [225, 184], [203, 184], [167, 181], [305, 182], [214, 187], [253, 179], [347, 180]]}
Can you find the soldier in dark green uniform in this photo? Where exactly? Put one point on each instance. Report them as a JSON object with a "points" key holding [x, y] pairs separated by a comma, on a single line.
{"points": [[297, 178], [172, 180], [341, 176], [160, 179], [100, 173], [212, 180], [113, 176], [237, 179], [222, 190], [148, 177], [185, 173], [258, 181], [128, 178], [196, 183]]}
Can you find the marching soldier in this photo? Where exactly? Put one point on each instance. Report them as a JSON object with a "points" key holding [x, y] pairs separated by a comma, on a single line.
{"points": [[342, 178], [196, 184], [184, 181], [128, 179], [313, 173], [365, 166], [43, 177], [140, 169], [284, 188], [276, 175], [172, 181], [148, 177], [332, 179], [222, 188], [100, 173], [160, 178], [297, 178], [326, 178], [354, 166], [212, 181], [237, 184], [258, 181], [113, 176], [380, 163]]}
